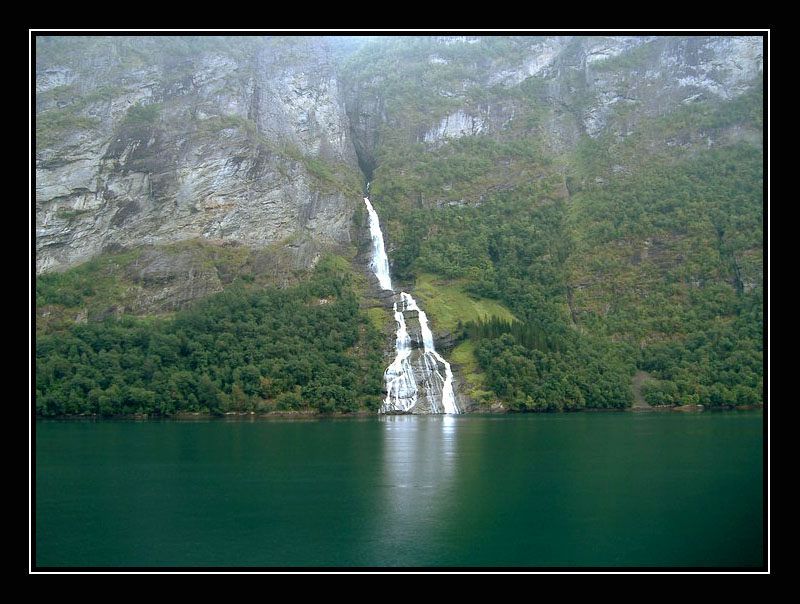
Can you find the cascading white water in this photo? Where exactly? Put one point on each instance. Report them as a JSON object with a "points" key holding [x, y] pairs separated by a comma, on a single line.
{"points": [[401, 382], [379, 262], [401, 387], [448, 396]]}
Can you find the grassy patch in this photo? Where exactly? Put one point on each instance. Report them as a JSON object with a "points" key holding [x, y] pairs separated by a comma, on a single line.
{"points": [[447, 303], [378, 317], [474, 378], [56, 124], [463, 355]]}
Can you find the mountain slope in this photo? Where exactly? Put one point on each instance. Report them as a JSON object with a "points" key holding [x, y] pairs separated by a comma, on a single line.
{"points": [[608, 191], [149, 141], [599, 199]]}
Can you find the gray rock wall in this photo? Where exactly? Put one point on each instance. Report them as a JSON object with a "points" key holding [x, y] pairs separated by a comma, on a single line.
{"points": [[137, 146], [583, 82], [149, 141]]}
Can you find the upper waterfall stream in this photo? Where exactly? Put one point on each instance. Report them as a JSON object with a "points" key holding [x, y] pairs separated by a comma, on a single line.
{"points": [[416, 382]]}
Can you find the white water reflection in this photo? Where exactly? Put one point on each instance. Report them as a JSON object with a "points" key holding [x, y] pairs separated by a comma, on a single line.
{"points": [[417, 482]]}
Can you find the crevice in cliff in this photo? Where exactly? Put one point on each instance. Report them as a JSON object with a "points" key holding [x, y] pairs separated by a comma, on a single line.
{"points": [[366, 161]]}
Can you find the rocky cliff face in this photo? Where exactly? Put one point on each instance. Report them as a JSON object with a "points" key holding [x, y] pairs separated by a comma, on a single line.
{"points": [[265, 141], [562, 86], [146, 141]]}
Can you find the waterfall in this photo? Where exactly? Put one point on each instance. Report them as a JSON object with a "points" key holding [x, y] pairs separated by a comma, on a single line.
{"points": [[379, 262], [414, 380], [401, 386], [448, 396]]}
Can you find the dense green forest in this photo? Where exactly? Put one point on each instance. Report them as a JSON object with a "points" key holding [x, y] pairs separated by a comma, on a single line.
{"points": [[305, 347], [591, 309], [575, 272]]}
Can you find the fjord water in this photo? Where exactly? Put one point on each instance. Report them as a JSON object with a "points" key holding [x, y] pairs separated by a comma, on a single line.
{"points": [[535, 491]]}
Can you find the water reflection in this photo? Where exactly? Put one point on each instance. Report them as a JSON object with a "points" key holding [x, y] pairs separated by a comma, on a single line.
{"points": [[419, 451], [417, 485]]}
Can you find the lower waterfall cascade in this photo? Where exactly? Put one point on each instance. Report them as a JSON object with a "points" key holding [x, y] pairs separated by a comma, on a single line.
{"points": [[419, 380]]}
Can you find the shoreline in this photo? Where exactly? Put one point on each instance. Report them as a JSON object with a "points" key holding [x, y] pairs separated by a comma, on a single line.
{"points": [[307, 415]]}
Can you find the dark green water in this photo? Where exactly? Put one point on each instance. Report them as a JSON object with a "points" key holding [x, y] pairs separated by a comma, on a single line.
{"points": [[568, 490]]}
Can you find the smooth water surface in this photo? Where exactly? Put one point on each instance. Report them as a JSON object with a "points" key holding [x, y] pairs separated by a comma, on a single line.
{"points": [[543, 491]]}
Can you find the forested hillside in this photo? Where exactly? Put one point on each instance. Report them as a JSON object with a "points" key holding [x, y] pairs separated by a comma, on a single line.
{"points": [[301, 348], [572, 212], [634, 247]]}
